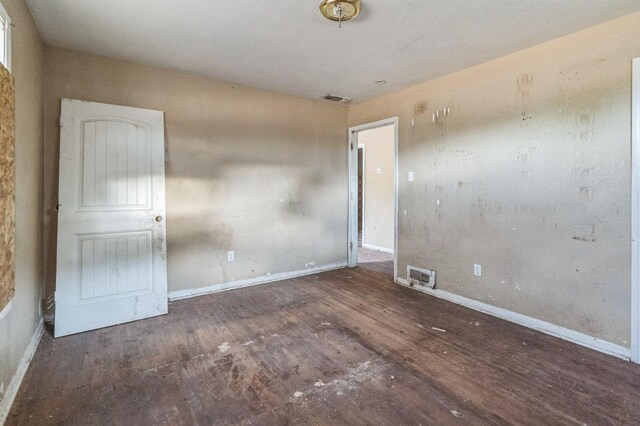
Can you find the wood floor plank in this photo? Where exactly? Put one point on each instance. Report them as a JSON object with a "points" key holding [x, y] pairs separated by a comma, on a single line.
{"points": [[342, 347]]}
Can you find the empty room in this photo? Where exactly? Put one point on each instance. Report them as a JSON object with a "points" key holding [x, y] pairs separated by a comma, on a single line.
{"points": [[324, 212]]}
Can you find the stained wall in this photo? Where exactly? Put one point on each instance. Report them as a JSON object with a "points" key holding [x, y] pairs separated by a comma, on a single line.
{"points": [[528, 175], [255, 172]]}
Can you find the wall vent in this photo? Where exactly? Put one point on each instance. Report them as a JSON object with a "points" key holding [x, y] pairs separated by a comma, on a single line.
{"points": [[421, 277], [338, 99]]}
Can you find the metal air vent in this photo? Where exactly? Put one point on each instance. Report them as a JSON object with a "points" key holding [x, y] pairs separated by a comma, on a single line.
{"points": [[421, 277], [338, 99]]}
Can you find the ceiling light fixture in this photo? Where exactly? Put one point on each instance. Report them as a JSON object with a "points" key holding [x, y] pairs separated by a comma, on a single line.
{"points": [[340, 10]]}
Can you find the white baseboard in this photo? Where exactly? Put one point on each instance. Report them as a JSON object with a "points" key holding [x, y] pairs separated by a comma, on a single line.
{"points": [[5, 311], [16, 381], [526, 321], [233, 285], [377, 248]]}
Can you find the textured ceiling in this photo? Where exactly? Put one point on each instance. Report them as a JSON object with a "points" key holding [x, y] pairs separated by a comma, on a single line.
{"points": [[287, 46]]}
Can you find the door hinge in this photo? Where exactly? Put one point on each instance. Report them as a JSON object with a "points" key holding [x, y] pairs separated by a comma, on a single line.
{"points": [[351, 246], [352, 145]]}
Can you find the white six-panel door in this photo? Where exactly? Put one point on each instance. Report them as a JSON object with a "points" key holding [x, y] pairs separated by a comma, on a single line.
{"points": [[111, 257]]}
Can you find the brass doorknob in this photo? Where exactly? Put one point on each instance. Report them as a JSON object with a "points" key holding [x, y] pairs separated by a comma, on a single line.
{"points": [[158, 218]]}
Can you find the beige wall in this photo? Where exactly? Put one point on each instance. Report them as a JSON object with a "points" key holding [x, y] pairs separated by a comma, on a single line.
{"points": [[378, 187], [529, 176], [256, 172], [17, 327]]}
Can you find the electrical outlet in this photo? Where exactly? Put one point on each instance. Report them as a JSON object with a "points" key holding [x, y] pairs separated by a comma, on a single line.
{"points": [[230, 256], [477, 270], [410, 176]]}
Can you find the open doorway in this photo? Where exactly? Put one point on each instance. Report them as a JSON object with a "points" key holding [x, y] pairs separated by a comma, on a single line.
{"points": [[372, 218]]}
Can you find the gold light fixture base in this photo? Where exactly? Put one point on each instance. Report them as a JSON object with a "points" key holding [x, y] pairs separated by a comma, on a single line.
{"points": [[340, 10]]}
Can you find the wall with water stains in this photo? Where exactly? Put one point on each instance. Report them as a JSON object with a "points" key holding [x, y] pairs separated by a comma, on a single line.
{"points": [[525, 169], [259, 173]]}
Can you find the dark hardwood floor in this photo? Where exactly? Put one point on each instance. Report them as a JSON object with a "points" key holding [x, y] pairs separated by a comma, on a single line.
{"points": [[342, 347]]}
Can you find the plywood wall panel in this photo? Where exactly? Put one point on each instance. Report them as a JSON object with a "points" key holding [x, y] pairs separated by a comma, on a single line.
{"points": [[7, 187]]}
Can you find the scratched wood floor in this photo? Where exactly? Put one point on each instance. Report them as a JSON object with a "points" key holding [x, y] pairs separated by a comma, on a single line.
{"points": [[342, 347]]}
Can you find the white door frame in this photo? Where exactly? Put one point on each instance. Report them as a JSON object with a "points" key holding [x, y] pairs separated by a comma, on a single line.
{"points": [[635, 211], [364, 174], [352, 237]]}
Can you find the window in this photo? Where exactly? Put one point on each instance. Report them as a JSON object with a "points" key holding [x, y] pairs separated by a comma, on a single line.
{"points": [[5, 38]]}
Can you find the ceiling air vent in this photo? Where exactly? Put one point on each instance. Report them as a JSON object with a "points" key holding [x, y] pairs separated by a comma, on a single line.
{"points": [[338, 99]]}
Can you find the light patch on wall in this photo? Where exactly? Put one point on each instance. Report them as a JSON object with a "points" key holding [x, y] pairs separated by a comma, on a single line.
{"points": [[523, 87]]}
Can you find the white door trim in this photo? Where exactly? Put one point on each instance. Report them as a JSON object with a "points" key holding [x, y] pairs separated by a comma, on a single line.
{"points": [[635, 211], [352, 237], [364, 188]]}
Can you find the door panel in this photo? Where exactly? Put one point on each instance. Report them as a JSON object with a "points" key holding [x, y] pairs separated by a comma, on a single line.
{"points": [[114, 265], [111, 265], [114, 167]]}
